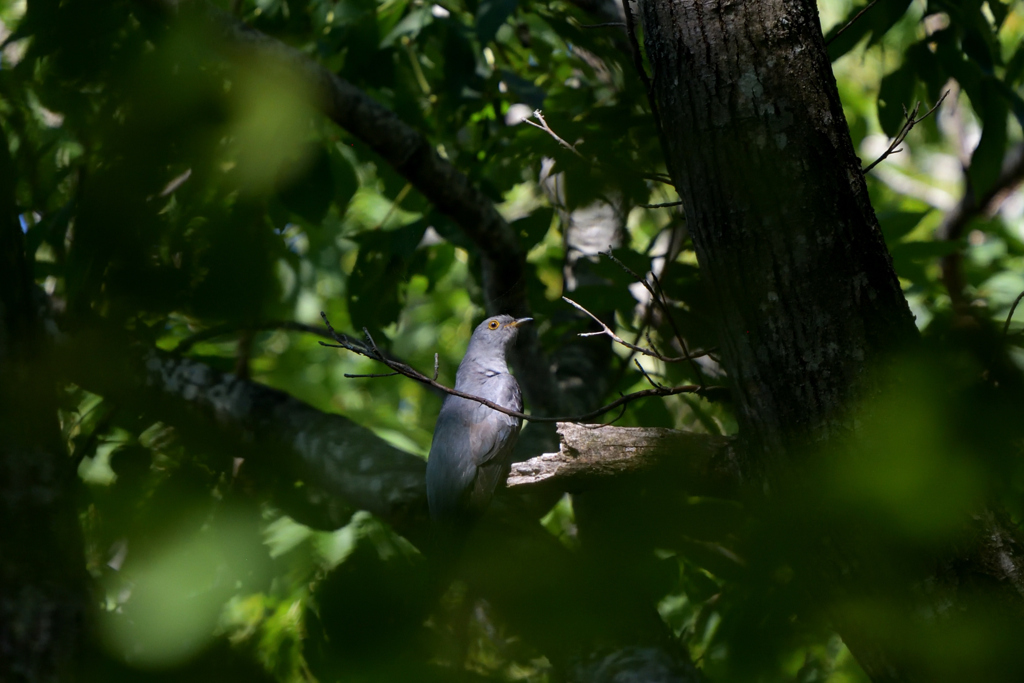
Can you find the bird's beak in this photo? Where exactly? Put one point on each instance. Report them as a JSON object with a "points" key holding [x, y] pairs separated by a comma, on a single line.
{"points": [[520, 321]]}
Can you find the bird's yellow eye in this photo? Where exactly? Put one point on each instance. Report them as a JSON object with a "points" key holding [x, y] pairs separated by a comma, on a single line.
{"points": [[493, 325]]}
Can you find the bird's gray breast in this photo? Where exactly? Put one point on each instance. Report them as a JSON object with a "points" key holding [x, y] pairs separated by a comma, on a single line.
{"points": [[472, 444]]}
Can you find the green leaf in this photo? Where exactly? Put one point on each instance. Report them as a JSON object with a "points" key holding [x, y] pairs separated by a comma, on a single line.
{"points": [[437, 261], [876, 22], [910, 258], [894, 98], [898, 224], [345, 181], [1000, 11], [460, 65], [1015, 67], [987, 160], [309, 193], [410, 26], [377, 282], [524, 89], [927, 70], [534, 227], [490, 15]]}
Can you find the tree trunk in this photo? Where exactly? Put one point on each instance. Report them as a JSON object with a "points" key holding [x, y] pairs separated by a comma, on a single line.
{"points": [[792, 255], [788, 243]]}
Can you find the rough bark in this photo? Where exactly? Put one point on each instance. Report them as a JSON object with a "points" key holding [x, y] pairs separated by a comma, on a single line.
{"points": [[342, 466], [787, 241], [597, 455], [793, 258]]}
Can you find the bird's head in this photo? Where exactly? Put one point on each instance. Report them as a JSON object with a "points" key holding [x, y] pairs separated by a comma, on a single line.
{"points": [[494, 335]]}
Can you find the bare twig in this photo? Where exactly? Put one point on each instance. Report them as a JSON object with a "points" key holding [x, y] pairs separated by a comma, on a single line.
{"points": [[851, 22], [605, 330], [659, 178], [1009, 317], [908, 125], [370, 350], [609, 423], [543, 125], [663, 305], [372, 375], [643, 372], [607, 23], [661, 206]]}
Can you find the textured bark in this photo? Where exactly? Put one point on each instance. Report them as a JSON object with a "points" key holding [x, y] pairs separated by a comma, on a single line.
{"points": [[793, 258], [787, 240], [596, 455], [341, 466]]}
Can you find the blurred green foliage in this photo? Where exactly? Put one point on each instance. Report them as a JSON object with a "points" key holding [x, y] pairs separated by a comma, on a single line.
{"points": [[169, 185]]}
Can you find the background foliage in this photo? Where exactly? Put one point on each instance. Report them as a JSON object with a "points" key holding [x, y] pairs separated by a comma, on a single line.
{"points": [[193, 198]]}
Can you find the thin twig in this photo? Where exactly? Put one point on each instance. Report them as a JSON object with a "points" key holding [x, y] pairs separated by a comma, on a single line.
{"points": [[645, 320], [1009, 317], [394, 205], [660, 206], [546, 128], [607, 331], [652, 346], [609, 423], [663, 305], [383, 374], [663, 299], [851, 22], [658, 178], [646, 376], [911, 121], [607, 23], [370, 350]]}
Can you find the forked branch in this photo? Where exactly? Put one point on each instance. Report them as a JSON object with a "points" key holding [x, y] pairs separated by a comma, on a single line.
{"points": [[607, 331], [659, 298], [912, 119], [370, 350]]}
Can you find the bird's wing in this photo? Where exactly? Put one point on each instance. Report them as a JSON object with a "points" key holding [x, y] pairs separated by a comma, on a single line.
{"points": [[491, 474], [493, 436], [451, 467], [491, 430], [472, 447]]}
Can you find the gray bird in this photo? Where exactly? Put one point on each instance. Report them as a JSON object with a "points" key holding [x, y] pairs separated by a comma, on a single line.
{"points": [[472, 447]]}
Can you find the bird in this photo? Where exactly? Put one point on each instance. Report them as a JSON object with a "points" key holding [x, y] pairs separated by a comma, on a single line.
{"points": [[471, 451]]}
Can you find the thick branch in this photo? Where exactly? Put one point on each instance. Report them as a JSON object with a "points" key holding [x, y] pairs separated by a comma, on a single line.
{"points": [[446, 187], [341, 465], [283, 439], [592, 455]]}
